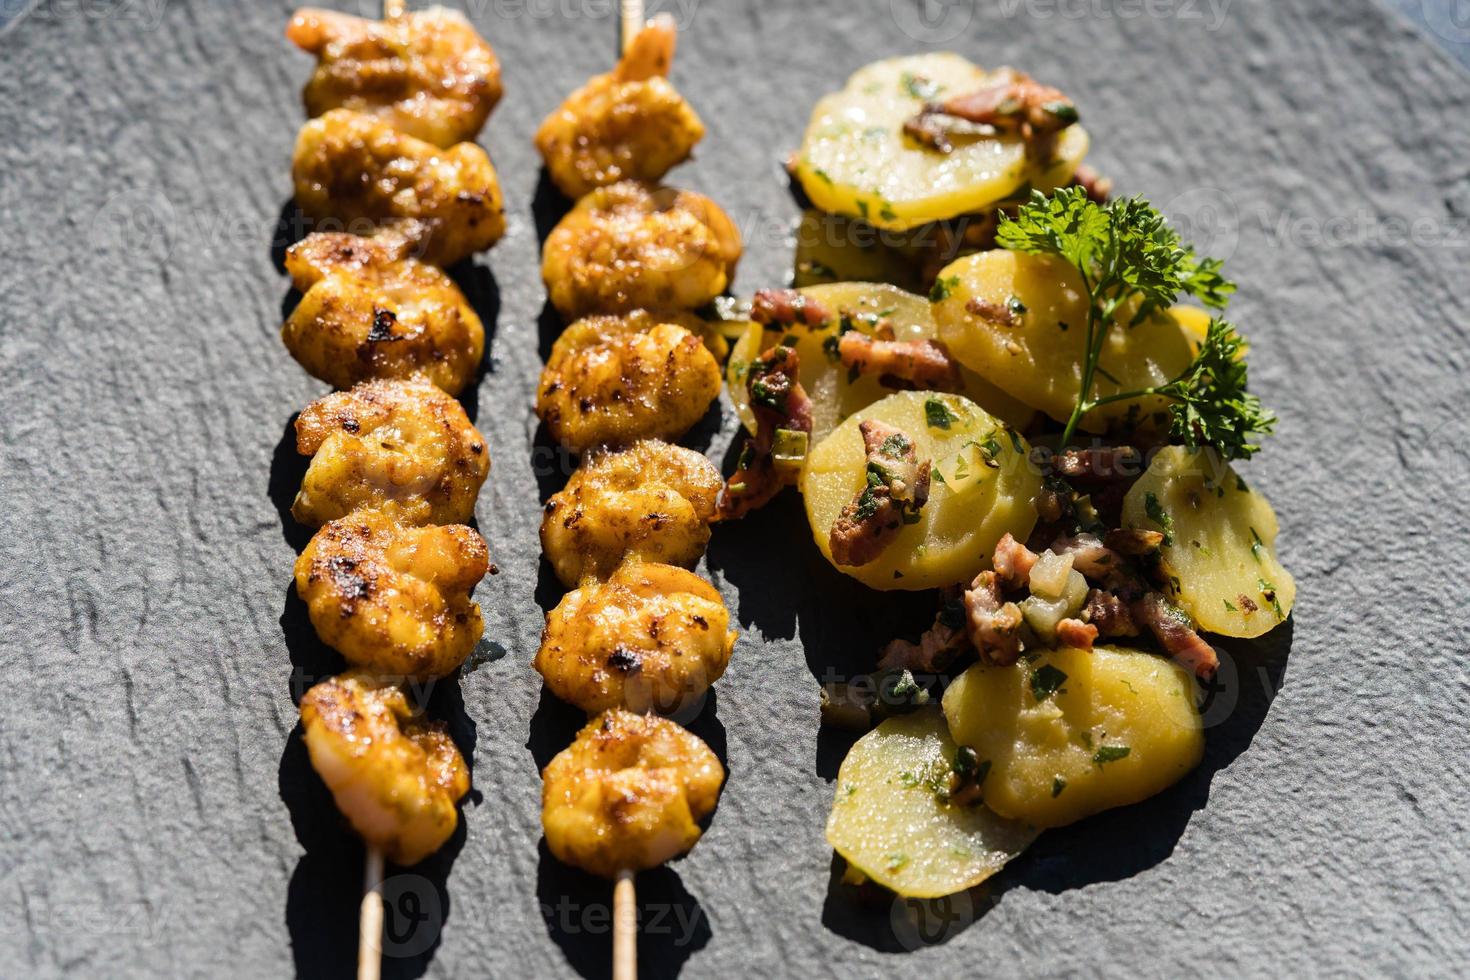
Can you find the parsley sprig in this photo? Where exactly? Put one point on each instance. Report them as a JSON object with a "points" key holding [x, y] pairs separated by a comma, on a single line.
{"points": [[1126, 253]]}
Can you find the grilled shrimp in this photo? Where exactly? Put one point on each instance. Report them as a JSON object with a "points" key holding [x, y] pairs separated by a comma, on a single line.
{"points": [[395, 778], [368, 311], [393, 598], [628, 794], [426, 73], [652, 500], [628, 123], [613, 380], [652, 637], [400, 446], [636, 245], [358, 170]]}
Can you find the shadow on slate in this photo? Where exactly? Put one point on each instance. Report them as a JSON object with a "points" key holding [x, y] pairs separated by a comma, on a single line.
{"points": [[288, 467], [548, 206], [577, 910]]}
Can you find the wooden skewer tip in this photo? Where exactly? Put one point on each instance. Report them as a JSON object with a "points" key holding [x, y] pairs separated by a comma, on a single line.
{"points": [[625, 928], [630, 20], [370, 918]]}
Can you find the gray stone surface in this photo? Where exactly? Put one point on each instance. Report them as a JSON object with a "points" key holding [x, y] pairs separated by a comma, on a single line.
{"points": [[156, 813]]}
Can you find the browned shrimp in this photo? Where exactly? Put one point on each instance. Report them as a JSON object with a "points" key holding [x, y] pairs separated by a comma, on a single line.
{"points": [[652, 637], [426, 73], [400, 446], [396, 778], [629, 123], [357, 169], [628, 794], [391, 598]]}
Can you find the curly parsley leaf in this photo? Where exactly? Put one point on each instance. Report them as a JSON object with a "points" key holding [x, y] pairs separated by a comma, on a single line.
{"points": [[1126, 253]]}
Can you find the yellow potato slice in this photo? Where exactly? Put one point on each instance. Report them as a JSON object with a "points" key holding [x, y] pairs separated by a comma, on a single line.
{"points": [[1037, 357], [972, 503], [1072, 732], [856, 160], [891, 819], [1219, 545], [833, 396], [832, 248]]}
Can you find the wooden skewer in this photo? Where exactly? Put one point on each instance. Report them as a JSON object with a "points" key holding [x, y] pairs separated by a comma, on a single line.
{"points": [[631, 19], [393, 8], [370, 918], [625, 928]]}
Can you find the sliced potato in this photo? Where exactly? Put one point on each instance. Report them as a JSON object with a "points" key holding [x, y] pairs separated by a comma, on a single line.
{"points": [[1037, 356], [833, 248], [833, 396], [892, 820], [856, 160], [986, 488], [1219, 542], [1072, 732]]}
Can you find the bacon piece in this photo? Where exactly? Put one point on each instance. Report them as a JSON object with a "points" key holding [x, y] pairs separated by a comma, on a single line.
{"points": [[787, 308], [779, 402], [1018, 104], [1109, 613], [1077, 634], [1175, 632], [993, 626], [898, 486], [1013, 562], [1133, 541], [997, 313], [924, 364], [1089, 555], [1104, 464]]}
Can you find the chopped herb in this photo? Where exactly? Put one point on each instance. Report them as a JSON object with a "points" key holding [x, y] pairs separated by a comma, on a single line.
{"points": [[1229, 605], [897, 861], [1269, 592], [965, 761], [1015, 305], [952, 614], [909, 517], [789, 340], [867, 504], [936, 476], [943, 286], [938, 414], [1257, 546], [1110, 753], [1015, 441], [895, 445], [1057, 785], [829, 347], [918, 86], [887, 213], [863, 207], [981, 771], [1046, 681], [1159, 516], [822, 174]]}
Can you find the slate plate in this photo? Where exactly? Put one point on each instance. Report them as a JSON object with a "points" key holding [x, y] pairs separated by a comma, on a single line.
{"points": [[158, 814]]}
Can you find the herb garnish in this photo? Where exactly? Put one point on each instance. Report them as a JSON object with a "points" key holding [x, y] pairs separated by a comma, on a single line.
{"points": [[1159, 516], [1126, 253], [938, 414], [1110, 753], [1046, 681], [1057, 785], [943, 286]]}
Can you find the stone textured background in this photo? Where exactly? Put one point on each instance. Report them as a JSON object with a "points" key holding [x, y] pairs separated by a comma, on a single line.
{"points": [[156, 812]]}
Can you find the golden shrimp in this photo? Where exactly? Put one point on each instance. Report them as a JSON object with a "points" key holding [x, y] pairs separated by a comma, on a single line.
{"points": [[395, 778], [652, 637], [636, 245], [628, 123], [628, 794], [393, 598], [426, 73], [368, 311], [652, 501], [613, 380], [356, 169], [400, 446]]}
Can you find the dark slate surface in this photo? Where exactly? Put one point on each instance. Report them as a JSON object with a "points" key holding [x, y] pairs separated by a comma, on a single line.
{"points": [[158, 817]]}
